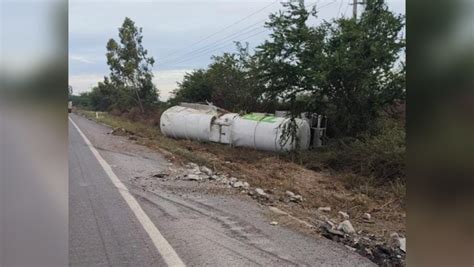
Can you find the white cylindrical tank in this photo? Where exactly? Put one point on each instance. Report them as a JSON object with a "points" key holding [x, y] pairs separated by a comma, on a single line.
{"points": [[255, 130], [264, 133], [188, 123]]}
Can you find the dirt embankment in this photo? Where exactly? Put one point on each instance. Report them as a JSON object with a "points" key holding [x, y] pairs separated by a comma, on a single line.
{"points": [[327, 199]]}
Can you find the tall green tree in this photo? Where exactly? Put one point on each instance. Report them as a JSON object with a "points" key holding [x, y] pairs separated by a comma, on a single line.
{"points": [[345, 68], [195, 87], [233, 87], [289, 62], [131, 69], [226, 83], [362, 73]]}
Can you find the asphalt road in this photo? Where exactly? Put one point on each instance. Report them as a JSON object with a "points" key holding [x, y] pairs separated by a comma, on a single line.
{"points": [[201, 229]]}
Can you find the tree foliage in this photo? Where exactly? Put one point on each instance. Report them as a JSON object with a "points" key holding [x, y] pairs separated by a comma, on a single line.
{"points": [[129, 83], [225, 83], [345, 68]]}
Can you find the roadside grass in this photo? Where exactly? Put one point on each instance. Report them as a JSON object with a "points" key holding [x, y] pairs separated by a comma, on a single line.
{"points": [[319, 176]]}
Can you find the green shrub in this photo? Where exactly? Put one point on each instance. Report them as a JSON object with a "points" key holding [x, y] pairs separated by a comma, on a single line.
{"points": [[378, 154]]}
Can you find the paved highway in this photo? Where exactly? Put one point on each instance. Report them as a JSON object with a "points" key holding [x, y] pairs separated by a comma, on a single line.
{"points": [[113, 222]]}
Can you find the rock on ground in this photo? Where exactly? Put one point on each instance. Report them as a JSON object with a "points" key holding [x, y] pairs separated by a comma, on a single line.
{"points": [[344, 215], [366, 216], [346, 227], [206, 170], [238, 184], [277, 211], [325, 209], [290, 194], [260, 192]]}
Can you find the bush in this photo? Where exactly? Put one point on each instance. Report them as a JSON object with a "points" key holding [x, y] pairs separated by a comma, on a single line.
{"points": [[378, 154]]}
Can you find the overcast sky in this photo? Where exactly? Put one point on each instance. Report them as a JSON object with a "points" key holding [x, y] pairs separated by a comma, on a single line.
{"points": [[171, 30]]}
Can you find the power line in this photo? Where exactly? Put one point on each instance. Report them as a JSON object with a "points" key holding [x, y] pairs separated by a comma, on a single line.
{"points": [[347, 7], [227, 27], [233, 35], [340, 6], [212, 47], [202, 53], [226, 38]]}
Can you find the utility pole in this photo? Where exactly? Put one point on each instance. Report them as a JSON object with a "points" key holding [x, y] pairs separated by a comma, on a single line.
{"points": [[354, 9]]}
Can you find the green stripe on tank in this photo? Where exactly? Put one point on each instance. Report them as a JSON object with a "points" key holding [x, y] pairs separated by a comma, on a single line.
{"points": [[260, 117]]}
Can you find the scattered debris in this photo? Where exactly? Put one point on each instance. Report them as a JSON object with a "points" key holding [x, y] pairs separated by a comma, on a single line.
{"points": [[238, 184], [336, 232], [329, 224], [206, 170], [366, 216], [133, 138], [290, 194], [403, 244], [344, 215], [193, 177], [192, 165], [375, 248], [398, 242], [325, 209], [277, 211], [120, 132], [260, 192], [346, 227], [293, 197], [297, 198]]}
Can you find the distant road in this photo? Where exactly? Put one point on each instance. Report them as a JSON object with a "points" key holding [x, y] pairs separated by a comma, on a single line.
{"points": [[116, 223]]}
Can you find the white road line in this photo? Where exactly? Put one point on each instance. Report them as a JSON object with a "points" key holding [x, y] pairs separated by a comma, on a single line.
{"points": [[164, 248]]}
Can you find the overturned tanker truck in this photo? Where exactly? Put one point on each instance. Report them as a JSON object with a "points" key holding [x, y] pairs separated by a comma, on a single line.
{"points": [[209, 123]]}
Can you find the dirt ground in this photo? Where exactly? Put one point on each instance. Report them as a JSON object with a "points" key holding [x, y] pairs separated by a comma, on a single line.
{"points": [[277, 174]]}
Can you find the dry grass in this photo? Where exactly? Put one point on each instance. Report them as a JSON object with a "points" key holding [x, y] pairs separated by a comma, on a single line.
{"points": [[278, 173]]}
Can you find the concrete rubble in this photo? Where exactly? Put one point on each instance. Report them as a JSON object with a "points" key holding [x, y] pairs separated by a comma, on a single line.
{"points": [[367, 216], [293, 197], [338, 229], [397, 241], [260, 192], [375, 248], [324, 209], [346, 227], [344, 215], [206, 170]]}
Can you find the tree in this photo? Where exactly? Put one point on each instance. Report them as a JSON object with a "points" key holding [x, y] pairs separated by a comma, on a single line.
{"points": [[226, 83], [233, 87], [289, 63], [344, 68], [362, 77], [195, 87], [130, 68]]}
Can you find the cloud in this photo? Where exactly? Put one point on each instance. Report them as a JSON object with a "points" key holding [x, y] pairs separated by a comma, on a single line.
{"points": [[165, 80], [84, 82], [81, 59]]}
